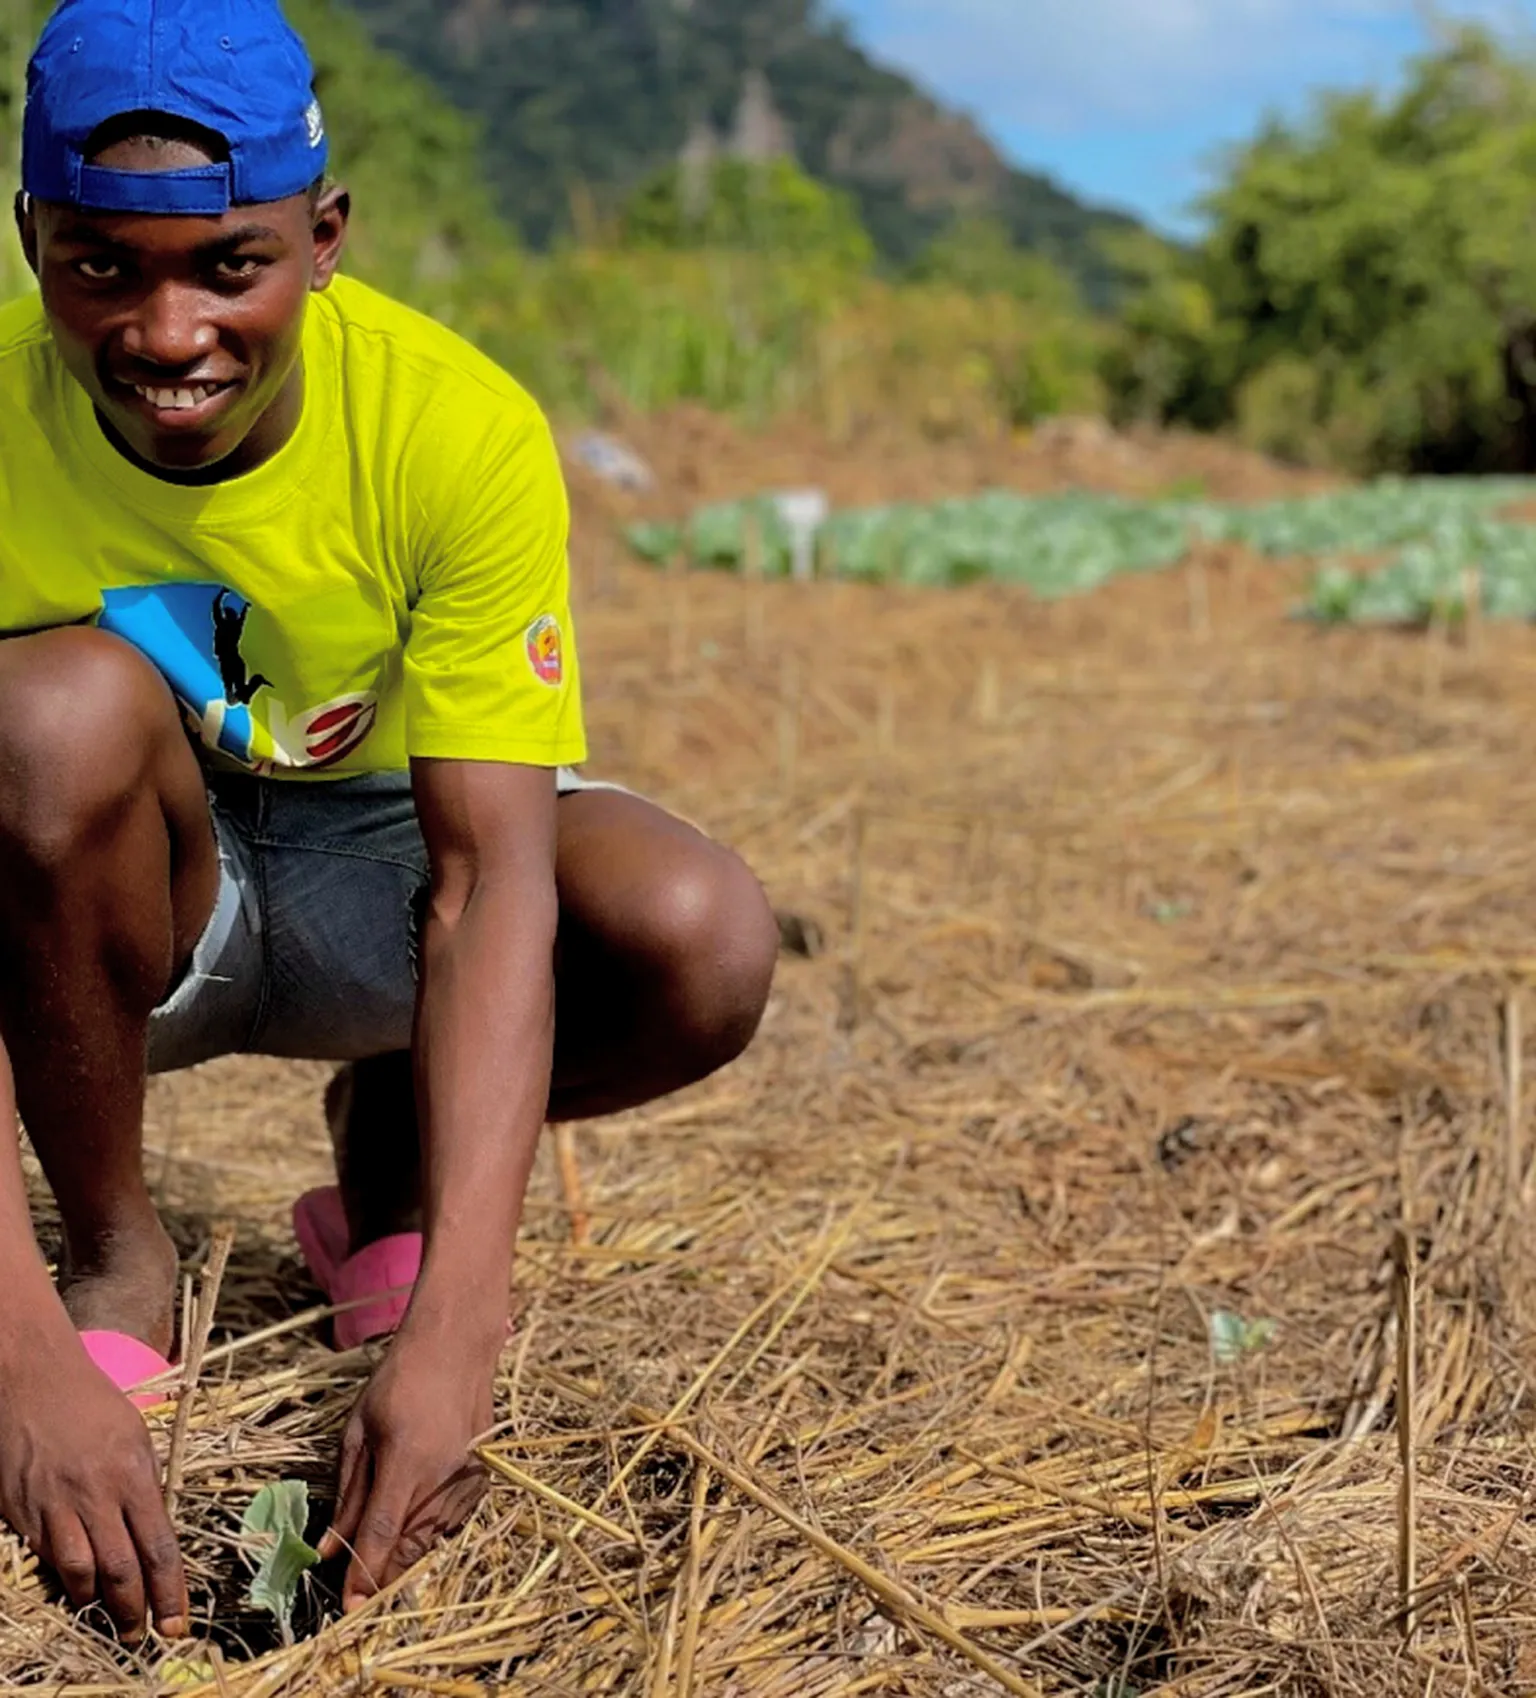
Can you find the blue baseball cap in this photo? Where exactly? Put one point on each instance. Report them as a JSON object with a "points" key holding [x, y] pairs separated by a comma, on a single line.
{"points": [[234, 67]]}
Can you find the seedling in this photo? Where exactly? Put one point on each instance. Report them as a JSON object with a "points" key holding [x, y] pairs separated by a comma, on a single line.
{"points": [[272, 1537], [1233, 1338]]}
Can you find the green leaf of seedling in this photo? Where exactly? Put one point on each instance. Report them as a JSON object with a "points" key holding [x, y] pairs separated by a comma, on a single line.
{"points": [[272, 1535], [1233, 1338], [1261, 1334]]}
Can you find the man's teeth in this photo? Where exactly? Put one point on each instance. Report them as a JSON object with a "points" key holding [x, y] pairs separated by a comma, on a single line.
{"points": [[177, 400]]}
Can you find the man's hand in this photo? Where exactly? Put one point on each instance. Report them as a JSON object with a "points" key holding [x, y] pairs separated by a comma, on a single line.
{"points": [[79, 1482], [407, 1477], [484, 1044]]}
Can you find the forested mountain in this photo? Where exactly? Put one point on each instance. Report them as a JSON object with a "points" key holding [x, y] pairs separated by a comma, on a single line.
{"points": [[581, 99]]}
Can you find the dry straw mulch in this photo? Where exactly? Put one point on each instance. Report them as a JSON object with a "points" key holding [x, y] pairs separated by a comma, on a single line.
{"points": [[1171, 959]]}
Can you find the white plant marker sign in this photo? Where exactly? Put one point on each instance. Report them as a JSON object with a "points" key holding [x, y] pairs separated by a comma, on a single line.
{"points": [[804, 512]]}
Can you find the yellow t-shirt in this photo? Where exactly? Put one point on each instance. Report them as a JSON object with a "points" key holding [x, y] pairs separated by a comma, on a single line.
{"points": [[392, 583]]}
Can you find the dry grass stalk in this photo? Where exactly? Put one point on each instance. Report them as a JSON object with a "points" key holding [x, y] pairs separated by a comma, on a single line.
{"points": [[1472, 605], [789, 721], [570, 1183], [1405, 1296], [588, 1517], [989, 693], [691, 1596], [197, 1333], [398, 1682], [1199, 590], [885, 719]]}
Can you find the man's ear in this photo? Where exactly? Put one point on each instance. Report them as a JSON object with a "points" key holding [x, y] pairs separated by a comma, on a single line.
{"points": [[333, 212], [26, 229]]}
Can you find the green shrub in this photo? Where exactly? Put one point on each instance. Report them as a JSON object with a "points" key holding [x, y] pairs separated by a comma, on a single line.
{"points": [[1366, 295]]}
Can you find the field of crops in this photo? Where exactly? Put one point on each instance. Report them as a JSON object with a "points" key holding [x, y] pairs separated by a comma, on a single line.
{"points": [[1434, 546]]}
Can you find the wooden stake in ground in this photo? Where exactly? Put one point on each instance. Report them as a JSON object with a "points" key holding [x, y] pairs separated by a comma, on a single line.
{"points": [[885, 719], [1472, 607], [1437, 640], [789, 720], [192, 1364], [680, 627], [1404, 1291], [752, 573], [570, 1183], [1199, 594], [853, 981], [988, 706], [1514, 1094]]}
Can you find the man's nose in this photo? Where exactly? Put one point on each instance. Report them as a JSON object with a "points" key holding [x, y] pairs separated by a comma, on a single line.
{"points": [[170, 329]]}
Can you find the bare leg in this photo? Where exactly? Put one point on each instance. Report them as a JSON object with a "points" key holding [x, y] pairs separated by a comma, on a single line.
{"points": [[108, 872], [666, 952]]}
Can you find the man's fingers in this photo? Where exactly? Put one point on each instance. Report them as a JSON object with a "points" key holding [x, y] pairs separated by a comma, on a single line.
{"points": [[383, 1521], [352, 1482], [437, 1518], [119, 1573], [68, 1551], [161, 1559]]}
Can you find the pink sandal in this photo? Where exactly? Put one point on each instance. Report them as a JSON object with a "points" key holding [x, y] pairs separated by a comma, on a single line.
{"points": [[379, 1279], [128, 1362]]}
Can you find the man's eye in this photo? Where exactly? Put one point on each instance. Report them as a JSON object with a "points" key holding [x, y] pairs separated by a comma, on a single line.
{"points": [[99, 270], [237, 270]]}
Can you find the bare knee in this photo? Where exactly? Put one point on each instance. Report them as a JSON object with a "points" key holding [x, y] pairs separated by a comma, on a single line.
{"points": [[83, 720], [716, 939]]}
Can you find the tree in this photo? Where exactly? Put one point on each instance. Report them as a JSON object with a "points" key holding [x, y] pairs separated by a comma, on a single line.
{"points": [[980, 256], [1367, 292], [766, 206], [19, 22]]}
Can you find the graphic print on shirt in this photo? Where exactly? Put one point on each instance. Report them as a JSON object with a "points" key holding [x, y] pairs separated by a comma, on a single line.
{"points": [[194, 634], [229, 616]]}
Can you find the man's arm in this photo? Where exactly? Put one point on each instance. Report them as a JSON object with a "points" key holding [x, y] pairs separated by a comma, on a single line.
{"points": [[484, 1048], [78, 1478]]}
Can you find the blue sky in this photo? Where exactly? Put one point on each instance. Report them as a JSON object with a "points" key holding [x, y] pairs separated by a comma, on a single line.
{"points": [[1128, 102]]}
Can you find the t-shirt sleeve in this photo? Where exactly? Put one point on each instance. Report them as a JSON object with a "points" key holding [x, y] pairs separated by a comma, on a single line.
{"points": [[491, 671]]}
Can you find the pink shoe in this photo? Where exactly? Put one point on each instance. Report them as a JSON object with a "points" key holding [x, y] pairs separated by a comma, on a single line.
{"points": [[127, 1362], [385, 1273]]}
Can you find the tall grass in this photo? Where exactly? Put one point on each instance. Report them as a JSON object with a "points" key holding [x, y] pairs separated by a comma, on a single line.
{"points": [[16, 20], [767, 336]]}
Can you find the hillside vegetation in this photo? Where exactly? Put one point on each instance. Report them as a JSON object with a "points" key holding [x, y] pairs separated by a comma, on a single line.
{"points": [[583, 99], [1366, 296]]}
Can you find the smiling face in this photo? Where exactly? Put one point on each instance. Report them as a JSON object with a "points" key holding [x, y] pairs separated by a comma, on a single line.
{"points": [[186, 332]]}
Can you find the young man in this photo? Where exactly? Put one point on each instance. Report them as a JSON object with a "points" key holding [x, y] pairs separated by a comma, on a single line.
{"points": [[288, 706]]}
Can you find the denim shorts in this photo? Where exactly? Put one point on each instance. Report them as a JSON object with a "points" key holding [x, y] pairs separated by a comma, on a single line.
{"points": [[311, 950]]}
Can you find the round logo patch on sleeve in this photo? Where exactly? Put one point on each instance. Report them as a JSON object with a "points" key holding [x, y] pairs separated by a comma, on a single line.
{"points": [[546, 650]]}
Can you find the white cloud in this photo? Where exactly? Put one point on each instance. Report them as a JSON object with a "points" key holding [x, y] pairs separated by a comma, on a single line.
{"points": [[1070, 65]]}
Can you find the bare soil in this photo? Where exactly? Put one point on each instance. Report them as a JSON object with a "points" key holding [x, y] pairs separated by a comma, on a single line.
{"points": [[701, 456]]}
